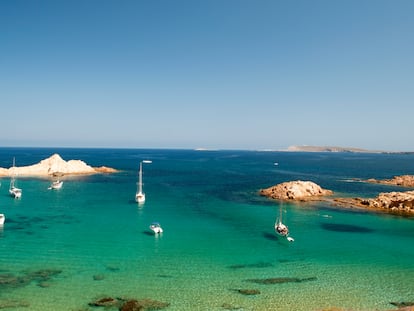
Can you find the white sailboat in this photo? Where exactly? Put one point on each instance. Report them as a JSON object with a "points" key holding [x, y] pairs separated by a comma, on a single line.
{"points": [[13, 190], [140, 195], [280, 228], [56, 185]]}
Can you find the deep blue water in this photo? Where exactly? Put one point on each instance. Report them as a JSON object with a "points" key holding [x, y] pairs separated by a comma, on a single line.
{"points": [[62, 249]]}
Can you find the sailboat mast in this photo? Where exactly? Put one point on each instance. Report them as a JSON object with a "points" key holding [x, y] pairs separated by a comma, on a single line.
{"points": [[12, 180], [280, 212], [140, 178]]}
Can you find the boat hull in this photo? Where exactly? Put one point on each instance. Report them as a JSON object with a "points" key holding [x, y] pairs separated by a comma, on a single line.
{"points": [[56, 185], [15, 192], [140, 198], [156, 228]]}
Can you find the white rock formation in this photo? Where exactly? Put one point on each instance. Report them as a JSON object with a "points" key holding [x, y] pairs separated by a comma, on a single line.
{"points": [[52, 165]]}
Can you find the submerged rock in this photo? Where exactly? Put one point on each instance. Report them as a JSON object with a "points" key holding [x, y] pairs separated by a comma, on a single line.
{"points": [[41, 277], [106, 302], [98, 277], [227, 306], [43, 274], [124, 304], [281, 280], [403, 304], [13, 304], [131, 305], [143, 304], [295, 190], [9, 280], [248, 292], [252, 265]]}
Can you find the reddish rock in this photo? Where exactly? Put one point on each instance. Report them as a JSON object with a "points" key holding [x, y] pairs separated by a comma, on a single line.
{"points": [[403, 181], [295, 190], [395, 202]]}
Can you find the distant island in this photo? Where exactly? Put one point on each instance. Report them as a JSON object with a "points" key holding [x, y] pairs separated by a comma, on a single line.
{"points": [[307, 148], [55, 165]]}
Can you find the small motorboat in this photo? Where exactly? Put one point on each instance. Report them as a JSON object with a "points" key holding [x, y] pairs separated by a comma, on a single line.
{"points": [[156, 228], [2, 219]]}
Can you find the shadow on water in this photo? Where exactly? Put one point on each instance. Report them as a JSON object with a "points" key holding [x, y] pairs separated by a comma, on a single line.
{"points": [[269, 236], [346, 228], [147, 232]]}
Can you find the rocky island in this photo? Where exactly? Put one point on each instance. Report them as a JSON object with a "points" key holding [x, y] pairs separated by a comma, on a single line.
{"points": [[55, 165], [295, 190], [393, 202]]}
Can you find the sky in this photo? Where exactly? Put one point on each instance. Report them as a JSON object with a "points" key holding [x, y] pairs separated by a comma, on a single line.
{"points": [[216, 74]]}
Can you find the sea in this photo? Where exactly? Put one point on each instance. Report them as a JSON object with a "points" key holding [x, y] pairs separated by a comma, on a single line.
{"points": [[90, 241]]}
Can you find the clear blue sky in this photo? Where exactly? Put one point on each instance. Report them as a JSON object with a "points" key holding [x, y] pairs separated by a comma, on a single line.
{"points": [[228, 74]]}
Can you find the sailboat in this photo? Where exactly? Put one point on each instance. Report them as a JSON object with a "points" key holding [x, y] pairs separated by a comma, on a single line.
{"points": [[56, 184], [140, 195], [280, 228], [13, 190]]}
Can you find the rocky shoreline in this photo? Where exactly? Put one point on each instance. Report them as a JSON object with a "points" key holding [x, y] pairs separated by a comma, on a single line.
{"points": [[401, 203], [403, 181], [392, 202], [55, 166]]}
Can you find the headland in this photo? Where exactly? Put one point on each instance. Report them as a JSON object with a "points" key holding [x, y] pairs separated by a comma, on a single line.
{"points": [[55, 165]]}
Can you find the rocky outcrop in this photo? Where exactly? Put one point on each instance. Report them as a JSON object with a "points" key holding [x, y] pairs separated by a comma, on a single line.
{"points": [[54, 165], [403, 181], [295, 190], [395, 202]]}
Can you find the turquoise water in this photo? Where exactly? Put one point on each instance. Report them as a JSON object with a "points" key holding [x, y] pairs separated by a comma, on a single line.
{"points": [[60, 250]]}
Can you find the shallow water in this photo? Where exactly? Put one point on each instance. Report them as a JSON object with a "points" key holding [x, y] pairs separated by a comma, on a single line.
{"points": [[64, 249]]}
